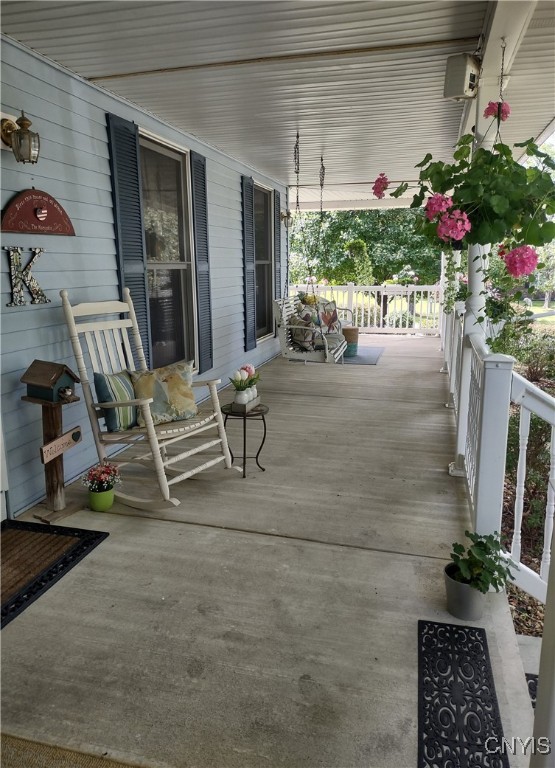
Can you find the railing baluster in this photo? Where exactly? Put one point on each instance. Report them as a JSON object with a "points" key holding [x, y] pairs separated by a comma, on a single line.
{"points": [[523, 436], [549, 512]]}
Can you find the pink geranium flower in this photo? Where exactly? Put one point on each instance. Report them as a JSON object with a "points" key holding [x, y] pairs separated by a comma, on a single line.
{"points": [[453, 226], [380, 185], [437, 204], [521, 261], [498, 109]]}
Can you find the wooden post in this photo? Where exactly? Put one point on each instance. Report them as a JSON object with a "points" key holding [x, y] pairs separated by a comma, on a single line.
{"points": [[54, 467], [54, 470]]}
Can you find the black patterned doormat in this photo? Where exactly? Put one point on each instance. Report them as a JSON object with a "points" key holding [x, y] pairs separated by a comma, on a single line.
{"points": [[36, 556], [532, 681], [459, 724]]}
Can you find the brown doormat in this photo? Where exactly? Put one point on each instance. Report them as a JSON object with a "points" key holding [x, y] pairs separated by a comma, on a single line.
{"points": [[36, 556], [20, 753]]}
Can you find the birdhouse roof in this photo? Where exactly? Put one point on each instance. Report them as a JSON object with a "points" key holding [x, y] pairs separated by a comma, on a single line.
{"points": [[42, 373]]}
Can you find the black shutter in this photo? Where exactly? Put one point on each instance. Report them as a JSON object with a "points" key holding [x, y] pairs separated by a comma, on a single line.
{"points": [[128, 217], [249, 266], [277, 244], [202, 261]]}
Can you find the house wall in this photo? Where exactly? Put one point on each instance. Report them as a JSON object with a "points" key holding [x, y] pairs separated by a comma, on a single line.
{"points": [[70, 116]]}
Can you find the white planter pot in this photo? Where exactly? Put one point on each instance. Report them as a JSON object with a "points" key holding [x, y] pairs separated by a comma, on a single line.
{"points": [[241, 397]]}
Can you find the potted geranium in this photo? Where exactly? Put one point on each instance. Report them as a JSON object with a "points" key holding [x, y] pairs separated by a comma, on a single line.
{"points": [[484, 196], [100, 481], [473, 571]]}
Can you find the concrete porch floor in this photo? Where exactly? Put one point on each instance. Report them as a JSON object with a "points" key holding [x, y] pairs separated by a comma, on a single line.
{"points": [[271, 620]]}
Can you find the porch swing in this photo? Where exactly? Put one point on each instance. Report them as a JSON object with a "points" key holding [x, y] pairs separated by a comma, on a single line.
{"points": [[309, 331]]}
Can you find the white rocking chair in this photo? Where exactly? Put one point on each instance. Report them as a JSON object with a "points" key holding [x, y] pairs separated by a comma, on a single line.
{"points": [[113, 344]]}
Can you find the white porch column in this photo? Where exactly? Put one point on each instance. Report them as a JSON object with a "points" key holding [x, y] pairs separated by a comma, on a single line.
{"points": [[491, 448], [544, 718], [475, 308]]}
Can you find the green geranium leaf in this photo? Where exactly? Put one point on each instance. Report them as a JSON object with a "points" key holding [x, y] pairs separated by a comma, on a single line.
{"points": [[499, 203], [424, 162], [462, 153], [467, 138], [548, 231], [401, 189], [525, 143]]}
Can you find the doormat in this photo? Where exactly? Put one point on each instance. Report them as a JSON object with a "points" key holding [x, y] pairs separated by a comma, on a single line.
{"points": [[458, 715], [36, 556], [365, 356], [22, 753], [532, 681]]}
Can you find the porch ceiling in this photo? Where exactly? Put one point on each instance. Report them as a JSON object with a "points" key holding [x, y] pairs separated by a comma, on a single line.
{"points": [[361, 81]]}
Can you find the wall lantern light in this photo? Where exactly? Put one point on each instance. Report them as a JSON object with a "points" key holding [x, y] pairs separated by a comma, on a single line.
{"points": [[286, 217], [25, 144]]}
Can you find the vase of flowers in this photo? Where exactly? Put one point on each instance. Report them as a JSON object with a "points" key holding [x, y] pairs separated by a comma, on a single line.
{"points": [[246, 395], [100, 481]]}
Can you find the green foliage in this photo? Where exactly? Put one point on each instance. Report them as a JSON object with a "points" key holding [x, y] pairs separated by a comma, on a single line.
{"points": [[482, 565], [399, 320], [504, 200], [390, 240], [533, 349]]}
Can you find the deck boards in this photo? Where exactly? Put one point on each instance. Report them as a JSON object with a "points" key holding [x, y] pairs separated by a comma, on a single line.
{"points": [[271, 620]]}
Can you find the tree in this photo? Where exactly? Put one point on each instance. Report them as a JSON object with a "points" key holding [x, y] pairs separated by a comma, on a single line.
{"points": [[319, 245]]}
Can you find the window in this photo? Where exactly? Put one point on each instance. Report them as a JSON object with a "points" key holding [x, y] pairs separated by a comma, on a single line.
{"points": [[263, 257], [170, 269]]}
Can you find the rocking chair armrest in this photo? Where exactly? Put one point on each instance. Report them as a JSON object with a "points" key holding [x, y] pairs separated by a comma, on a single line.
{"points": [[124, 403]]}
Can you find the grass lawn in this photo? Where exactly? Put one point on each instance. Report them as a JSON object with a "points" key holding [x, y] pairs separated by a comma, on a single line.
{"points": [[537, 308]]}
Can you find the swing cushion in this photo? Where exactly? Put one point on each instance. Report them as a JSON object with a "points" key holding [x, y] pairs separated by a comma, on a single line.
{"points": [[301, 327], [170, 388]]}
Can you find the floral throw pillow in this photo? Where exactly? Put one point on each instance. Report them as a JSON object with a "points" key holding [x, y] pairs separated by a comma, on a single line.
{"points": [[328, 318], [170, 388]]}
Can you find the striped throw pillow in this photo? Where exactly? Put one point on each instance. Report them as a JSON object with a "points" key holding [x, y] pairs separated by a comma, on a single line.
{"points": [[116, 387]]}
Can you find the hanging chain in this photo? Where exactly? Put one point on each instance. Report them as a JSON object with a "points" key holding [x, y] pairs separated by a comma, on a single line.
{"points": [[502, 76], [297, 162], [297, 165], [322, 179]]}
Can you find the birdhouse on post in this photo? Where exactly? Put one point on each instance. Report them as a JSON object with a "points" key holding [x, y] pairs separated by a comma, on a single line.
{"points": [[50, 382], [52, 385]]}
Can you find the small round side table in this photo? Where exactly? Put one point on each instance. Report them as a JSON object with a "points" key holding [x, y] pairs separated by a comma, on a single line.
{"points": [[258, 412]]}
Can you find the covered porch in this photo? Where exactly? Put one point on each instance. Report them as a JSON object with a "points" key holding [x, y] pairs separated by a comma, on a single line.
{"points": [[270, 620]]}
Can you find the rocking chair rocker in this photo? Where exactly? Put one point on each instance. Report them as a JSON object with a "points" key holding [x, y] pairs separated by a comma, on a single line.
{"points": [[114, 345]]}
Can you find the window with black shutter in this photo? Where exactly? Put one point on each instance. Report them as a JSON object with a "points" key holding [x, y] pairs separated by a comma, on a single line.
{"points": [[262, 269], [162, 244]]}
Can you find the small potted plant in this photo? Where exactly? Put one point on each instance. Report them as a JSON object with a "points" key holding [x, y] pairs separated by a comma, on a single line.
{"points": [[100, 481], [473, 572]]}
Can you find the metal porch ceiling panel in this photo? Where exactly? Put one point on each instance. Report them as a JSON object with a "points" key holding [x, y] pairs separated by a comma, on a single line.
{"points": [[362, 81]]}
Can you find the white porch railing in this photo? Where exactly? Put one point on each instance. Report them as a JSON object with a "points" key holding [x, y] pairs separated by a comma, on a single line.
{"points": [[385, 308], [532, 401], [483, 391], [484, 388]]}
